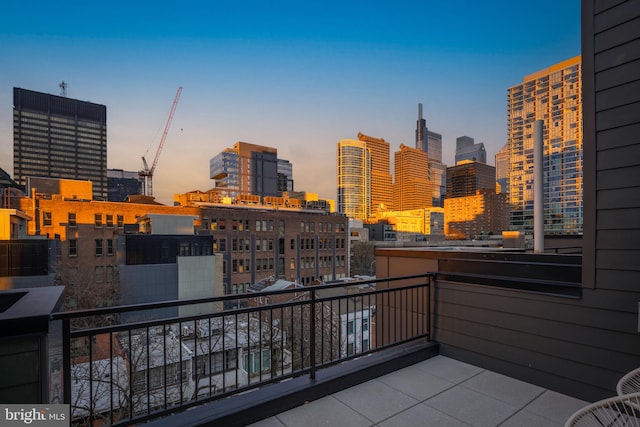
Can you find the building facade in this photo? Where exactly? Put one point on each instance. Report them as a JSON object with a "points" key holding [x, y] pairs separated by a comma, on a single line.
{"points": [[354, 179], [254, 242], [472, 217], [121, 184], [468, 177], [502, 170], [58, 137], [436, 172], [381, 178], [411, 188], [553, 95], [467, 149]]}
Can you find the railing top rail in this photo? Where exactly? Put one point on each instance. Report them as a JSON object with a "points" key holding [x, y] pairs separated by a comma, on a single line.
{"points": [[102, 311]]}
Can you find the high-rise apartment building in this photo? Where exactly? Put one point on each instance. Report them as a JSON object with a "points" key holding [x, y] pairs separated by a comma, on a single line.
{"points": [[411, 188], [354, 179], [431, 143], [467, 149], [251, 169], [381, 179], [59, 137], [468, 177], [553, 95]]}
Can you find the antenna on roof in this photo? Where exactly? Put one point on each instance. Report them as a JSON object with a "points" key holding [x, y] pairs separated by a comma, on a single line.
{"points": [[63, 88]]}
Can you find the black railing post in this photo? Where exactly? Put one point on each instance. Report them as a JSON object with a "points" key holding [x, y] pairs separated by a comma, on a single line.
{"points": [[66, 361], [312, 343], [429, 284]]}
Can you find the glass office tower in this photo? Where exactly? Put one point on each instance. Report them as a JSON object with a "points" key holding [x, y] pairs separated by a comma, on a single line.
{"points": [[59, 137]]}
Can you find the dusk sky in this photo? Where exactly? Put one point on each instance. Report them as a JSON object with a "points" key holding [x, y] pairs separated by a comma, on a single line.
{"points": [[297, 76]]}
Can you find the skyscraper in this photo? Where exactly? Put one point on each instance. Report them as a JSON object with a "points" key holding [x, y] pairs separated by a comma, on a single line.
{"points": [[502, 170], [553, 95], [468, 177], [59, 137], [354, 179], [431, 143], [467, 149], [411, 188], [381, 179], [121, 183], [249, 169]]}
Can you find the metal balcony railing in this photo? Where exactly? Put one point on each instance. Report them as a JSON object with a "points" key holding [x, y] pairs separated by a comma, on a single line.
{"points": [[129, 364]]}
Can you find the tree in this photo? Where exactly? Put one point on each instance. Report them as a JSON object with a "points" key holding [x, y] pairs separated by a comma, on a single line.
{"points": [[362, 258]]}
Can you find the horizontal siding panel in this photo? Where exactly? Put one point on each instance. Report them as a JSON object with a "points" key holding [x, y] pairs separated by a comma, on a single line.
{"points": [[619, 137], [619, 55], [617, 219], [617, 35], [601, 6], [625, 73], [619, 116], [577, 311], [621, 198], [619, 178], [618, 95], [624, 259], [625, 11], [616, 279], [618, 157], [616, 239], [591, 353], [528, 326]]}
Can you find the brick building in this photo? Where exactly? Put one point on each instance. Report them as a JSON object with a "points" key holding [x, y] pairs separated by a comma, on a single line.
{"points": [[255, 241]]}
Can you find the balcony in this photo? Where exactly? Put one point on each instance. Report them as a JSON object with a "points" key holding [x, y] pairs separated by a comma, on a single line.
{"points": [[511, 335]]}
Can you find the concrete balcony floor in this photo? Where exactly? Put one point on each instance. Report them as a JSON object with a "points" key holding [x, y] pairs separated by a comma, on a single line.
{"points": [[436, 392]]}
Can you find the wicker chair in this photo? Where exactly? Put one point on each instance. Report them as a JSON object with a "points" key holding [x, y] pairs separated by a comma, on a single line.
{"points": [[630, 383], [612, 412]]}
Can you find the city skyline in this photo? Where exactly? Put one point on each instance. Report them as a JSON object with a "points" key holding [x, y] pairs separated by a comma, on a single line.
{"points": [[291, 76]]}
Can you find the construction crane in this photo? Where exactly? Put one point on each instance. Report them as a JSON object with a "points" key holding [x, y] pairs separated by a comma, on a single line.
{"points": [[146, 174]]}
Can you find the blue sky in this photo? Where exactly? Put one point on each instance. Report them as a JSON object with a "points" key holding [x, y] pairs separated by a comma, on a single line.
{"points": [[298, 76]]}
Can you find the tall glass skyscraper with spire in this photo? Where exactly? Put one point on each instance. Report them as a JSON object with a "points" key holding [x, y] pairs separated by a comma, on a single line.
{"points": [[431, 143]]}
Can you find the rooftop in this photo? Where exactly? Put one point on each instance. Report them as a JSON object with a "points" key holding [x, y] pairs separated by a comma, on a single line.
{"points": [[437, 391]]}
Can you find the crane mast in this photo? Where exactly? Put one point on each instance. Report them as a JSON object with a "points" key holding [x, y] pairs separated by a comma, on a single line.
{"points": [[147, 172]]}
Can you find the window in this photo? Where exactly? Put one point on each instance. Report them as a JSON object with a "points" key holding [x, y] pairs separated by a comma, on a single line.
{"points": [[73, 247], [365, 324], [281, 226], [256, 361], [109, 273], [292, 263], [258, 225], [350, 349], [98, 220], [99, 274], [46, 219], [214, 224], [109, 246], [71, 219], [293, 244], [98, 247], [120, 221], [350, 327]]}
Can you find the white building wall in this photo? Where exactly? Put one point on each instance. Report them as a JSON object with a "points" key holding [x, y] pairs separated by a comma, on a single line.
{"points": [[197, 278]]}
